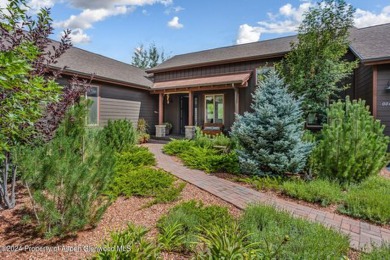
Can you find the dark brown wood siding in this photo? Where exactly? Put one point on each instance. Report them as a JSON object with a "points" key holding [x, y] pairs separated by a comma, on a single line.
{"points": [[363, 84], [383, 97], [211, 70], [113, 101]]}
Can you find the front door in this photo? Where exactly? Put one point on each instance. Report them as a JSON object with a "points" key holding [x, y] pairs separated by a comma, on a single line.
{"points": [[183, 113]]}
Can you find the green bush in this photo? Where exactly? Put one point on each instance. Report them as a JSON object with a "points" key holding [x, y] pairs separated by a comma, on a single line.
{"points": [[68, 176], [177, 147], [210, 160], [210, 154], [129, 244], [369, 200], [379, 253], [119, 134], [187, 220], [210, 141], [228, 242], [142, 181], [142, 131], [306, 240], [353, 145], [316, 191], [133, 157], [171, 237], [264, 183]]}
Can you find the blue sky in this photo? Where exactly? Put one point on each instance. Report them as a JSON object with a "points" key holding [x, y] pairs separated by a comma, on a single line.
{"points": [[114, 28]]}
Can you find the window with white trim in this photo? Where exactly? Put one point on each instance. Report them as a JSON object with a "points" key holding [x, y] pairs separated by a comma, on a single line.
{"points": [[214, 107]]}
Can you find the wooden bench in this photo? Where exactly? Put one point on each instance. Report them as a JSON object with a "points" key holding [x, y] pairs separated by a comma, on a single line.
{"points": [[212, 128]]}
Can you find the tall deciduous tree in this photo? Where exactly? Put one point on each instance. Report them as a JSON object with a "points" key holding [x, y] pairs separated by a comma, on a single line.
{"points": [[29, 96], [316, 66], [147, 58]]}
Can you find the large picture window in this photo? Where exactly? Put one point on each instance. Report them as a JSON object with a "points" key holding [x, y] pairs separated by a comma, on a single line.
{"points": [[92, 95], [214, 108]]}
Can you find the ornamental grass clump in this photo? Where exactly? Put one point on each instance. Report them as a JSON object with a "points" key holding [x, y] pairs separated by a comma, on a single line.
{"points": [[353, 145]]}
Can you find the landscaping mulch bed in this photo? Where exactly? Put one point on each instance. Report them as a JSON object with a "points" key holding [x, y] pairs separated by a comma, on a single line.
{"points": [[14, 233]]}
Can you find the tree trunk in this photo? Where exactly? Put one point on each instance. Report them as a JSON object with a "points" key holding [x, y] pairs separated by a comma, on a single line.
{"points": [[7, 201]]}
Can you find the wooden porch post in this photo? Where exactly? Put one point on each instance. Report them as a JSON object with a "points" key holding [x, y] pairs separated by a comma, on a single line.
{"points": [[160, 108], [236, 100], [190, 108], [374, 90]]}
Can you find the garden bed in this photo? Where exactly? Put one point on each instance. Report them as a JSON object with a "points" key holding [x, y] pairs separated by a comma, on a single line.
{"points": [[244, 181], [14, 232]]}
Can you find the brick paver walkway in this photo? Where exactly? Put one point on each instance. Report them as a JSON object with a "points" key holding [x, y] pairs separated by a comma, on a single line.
{"points": [[362, 235]]}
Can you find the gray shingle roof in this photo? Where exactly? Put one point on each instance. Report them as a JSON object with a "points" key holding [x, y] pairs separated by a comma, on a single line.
{"points": [[370, 43], [80, 61], [269, 48]]}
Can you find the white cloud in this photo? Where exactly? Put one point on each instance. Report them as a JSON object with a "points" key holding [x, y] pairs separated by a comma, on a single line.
{"points": [[87, 17], [96, 11], [289, 17], [36, 5], [366, 18], [3, 3], [174, 9], [78, 36], [174, 23], [96, 4], [247, 33]]}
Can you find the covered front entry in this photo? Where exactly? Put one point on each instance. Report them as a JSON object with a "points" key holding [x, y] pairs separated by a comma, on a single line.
{"points": [[185, 104]]}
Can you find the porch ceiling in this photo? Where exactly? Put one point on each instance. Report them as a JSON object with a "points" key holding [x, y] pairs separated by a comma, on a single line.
{"points": [[203, 83]]}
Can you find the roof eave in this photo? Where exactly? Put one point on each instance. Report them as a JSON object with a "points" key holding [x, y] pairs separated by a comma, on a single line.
{"points": [[103, 79], [377, 61]]}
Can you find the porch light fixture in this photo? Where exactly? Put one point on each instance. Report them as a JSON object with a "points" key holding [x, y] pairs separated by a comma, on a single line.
{"points": [[168, 99], [387, 89]]}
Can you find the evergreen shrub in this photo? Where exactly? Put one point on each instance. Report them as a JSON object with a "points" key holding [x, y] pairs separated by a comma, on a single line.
{"points": [[119, 134], [352, 146], [68, 175], [270, 138]]}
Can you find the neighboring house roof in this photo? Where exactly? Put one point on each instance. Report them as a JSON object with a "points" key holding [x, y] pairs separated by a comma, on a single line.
{"points": [[85, 63], [371, 44], [368, 44]]}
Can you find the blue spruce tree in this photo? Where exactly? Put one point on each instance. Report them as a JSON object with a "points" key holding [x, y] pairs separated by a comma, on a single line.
{"points": [[270, 137]]}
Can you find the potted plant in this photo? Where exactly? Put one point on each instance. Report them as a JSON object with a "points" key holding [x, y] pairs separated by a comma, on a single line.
{"points": [[168, 128]]}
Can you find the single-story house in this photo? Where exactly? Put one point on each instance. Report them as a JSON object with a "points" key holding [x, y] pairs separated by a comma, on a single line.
{"points": [[119, 90], [208, 87]]}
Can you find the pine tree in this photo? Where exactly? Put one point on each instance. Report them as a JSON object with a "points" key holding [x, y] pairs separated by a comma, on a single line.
{"points": [[353, 145], [270, 137]]}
